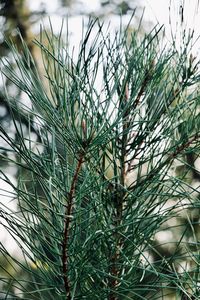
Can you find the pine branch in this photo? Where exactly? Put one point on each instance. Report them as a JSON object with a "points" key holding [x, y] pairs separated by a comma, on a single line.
{"points": [[67, 222], [108, 246]]}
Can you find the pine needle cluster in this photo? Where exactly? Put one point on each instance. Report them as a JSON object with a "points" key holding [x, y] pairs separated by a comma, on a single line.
{"points": [[103, 212]]}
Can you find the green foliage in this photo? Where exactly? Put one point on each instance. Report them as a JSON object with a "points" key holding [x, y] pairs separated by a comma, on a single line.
{"points": [[98, 187]]}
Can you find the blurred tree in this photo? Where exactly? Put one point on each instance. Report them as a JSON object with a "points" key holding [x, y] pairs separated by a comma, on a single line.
{"points": [[16, 15]]}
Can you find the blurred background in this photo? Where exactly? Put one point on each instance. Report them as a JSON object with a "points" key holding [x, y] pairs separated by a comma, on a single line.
{"points": [[27, 16]]}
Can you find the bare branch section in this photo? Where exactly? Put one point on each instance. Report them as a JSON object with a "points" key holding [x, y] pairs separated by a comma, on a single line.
{"points": [[67, 222]]}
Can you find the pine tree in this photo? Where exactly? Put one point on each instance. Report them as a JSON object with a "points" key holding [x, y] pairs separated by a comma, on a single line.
{"points": [[100, 186]]}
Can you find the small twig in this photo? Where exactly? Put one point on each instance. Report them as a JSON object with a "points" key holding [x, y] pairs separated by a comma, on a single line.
{"points": [[124, 140], [67, 222], [146, 80], [114, 259]]}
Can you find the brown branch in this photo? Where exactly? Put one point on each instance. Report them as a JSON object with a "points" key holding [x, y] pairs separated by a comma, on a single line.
{"points": [[113, 282], [184, 146], [169, 159], [67, 222]]}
